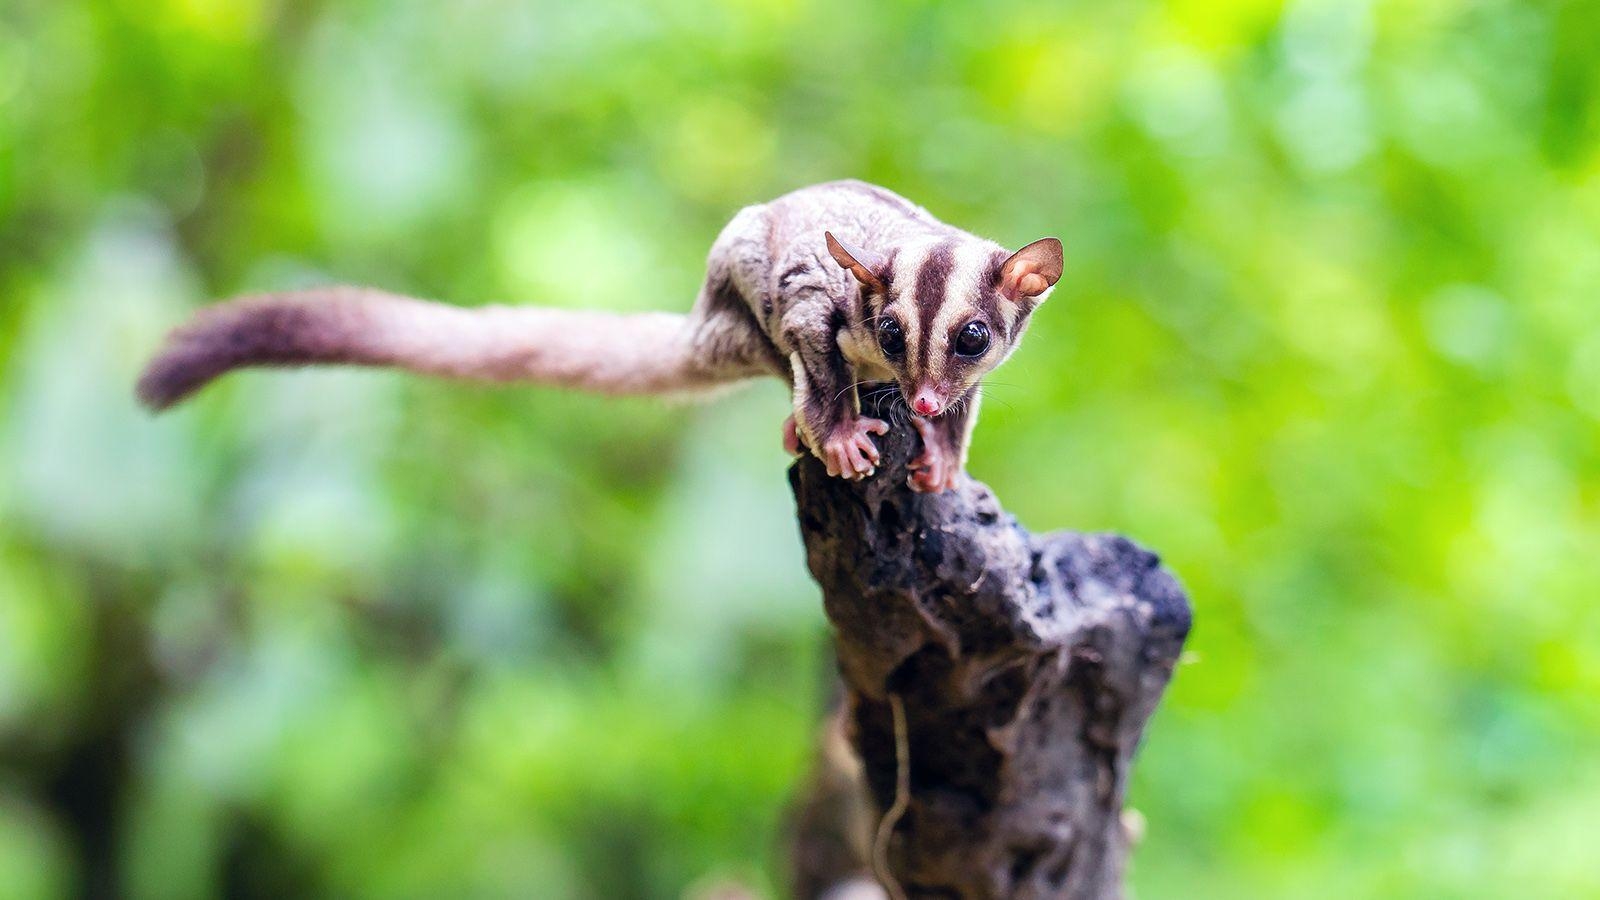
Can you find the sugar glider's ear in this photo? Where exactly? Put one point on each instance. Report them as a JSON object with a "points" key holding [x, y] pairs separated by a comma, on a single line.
{"points": [[1031, 271], [863, 264]]}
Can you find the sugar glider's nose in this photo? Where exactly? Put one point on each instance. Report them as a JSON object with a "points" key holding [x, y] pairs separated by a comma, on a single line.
{"points": [[927, 403]]}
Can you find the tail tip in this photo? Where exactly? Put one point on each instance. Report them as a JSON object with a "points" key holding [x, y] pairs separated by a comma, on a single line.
{"points": [[162, 386]]}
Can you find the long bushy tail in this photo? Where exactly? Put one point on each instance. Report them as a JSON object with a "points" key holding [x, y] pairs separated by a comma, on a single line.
{"points": [[643, 353]]}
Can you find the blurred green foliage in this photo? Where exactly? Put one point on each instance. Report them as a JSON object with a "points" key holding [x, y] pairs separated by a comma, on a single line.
{"points": [[1330, 341]]}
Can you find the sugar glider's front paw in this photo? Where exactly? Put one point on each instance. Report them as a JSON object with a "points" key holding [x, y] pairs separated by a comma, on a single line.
{"points": [[849, 451], [936, 469]]}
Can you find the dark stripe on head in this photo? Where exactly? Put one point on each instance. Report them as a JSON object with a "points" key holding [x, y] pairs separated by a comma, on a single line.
{"points": [[988, 298], [793, 271], [887, 275], [991, 272], [932, 278], [870, 302]]}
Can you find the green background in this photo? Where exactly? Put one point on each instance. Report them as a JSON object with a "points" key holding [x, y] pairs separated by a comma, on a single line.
{"points": [[1329, 340]]}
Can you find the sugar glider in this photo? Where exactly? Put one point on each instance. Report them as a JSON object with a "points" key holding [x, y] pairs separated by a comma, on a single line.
{"points": [[835, 288]]}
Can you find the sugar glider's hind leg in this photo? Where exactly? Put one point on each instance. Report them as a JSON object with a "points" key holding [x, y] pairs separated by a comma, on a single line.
{"points": [[944, 447], [729, 340]]}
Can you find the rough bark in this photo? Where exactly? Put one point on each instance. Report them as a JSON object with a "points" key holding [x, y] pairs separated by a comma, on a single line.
{"points": [[1025, 666]]}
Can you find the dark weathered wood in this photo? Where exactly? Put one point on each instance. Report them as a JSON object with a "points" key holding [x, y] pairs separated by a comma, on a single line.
{"points": [[1026, 667]]}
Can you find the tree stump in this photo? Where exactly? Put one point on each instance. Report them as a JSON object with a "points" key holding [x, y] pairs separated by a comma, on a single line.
{"points": [[1021, 670]]}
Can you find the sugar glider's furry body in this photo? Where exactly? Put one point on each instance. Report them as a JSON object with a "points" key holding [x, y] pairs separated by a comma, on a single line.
{"points": [[788, 292]]}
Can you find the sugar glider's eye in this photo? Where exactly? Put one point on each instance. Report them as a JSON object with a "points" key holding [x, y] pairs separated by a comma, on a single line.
{"points": [[973, 339], [890, 337]]}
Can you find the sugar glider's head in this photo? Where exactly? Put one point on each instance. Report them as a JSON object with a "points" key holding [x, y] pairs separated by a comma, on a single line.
{"points": [[944, 311]]}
